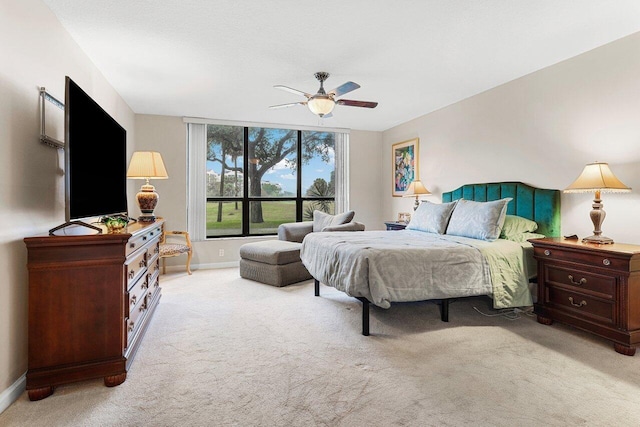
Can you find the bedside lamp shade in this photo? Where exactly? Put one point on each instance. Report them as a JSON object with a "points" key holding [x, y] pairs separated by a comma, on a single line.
{"points": [[417, 189], [597, 177], [147, 165]]}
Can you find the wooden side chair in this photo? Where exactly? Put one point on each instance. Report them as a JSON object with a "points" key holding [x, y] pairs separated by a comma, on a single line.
{"points": [[174, 243]]}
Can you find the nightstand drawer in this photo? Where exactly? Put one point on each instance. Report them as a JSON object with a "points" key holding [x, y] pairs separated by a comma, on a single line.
{"points": [[581, 305], [581, 280], [592, 259]]}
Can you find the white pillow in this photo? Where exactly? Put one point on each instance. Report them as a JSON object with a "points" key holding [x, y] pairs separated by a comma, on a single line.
{"points": [[431, 217], [478, 220], [322, 220]]}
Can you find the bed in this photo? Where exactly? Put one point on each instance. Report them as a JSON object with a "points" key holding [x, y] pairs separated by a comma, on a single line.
{"points": [[443, 263]]}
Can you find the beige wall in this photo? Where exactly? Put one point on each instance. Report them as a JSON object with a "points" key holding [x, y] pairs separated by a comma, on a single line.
{"points": [[35, 51], [168, 136], [541, 129]]}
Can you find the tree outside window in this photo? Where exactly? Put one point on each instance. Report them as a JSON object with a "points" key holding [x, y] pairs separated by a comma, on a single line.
{"points": [[277, 187]]}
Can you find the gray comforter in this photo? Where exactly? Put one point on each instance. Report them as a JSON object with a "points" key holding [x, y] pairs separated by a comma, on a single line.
{"points": [[402, 266]]}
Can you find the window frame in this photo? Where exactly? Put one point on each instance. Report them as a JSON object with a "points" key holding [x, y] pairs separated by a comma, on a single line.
{"points": [[246, 199]]}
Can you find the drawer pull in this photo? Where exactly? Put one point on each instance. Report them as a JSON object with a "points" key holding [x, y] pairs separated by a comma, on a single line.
{"points": [[606, 261], [132, 245], [144, 238], [141, 263], [547, 252], [131, 326], [582, 281], [580, 304], [133, 300], [132, 273]]}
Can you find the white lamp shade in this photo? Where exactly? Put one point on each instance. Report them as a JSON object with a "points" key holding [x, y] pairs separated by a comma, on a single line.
{"points": [[321, 105], [416, 188], [146, 165], [597, 176]]}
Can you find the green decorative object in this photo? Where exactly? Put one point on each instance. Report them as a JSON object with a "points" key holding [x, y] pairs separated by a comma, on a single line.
{"points": [[115, 224]]}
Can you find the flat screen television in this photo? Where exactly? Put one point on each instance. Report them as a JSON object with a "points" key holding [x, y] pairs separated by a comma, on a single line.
{"points": [[95, 158]]}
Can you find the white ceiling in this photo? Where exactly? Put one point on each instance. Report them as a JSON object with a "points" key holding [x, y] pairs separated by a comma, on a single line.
{"points": [[219, 59]]}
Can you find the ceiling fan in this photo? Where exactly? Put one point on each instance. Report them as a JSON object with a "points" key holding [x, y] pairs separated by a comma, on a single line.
{"points": [[322, 103]]}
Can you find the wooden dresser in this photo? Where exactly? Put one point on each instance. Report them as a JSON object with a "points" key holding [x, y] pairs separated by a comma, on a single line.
{"points": [[91, 298], [593, 287]]}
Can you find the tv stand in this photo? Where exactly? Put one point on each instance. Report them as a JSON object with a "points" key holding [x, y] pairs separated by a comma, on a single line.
{"points": [[91, 299], [70, 223]]}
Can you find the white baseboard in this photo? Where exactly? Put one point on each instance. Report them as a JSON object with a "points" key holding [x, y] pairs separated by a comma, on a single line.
{"points": [[178, 268], [228, 264], [11, 394]]}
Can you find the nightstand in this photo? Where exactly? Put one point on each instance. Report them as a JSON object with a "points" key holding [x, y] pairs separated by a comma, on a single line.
{"points": [[592, 287], [392, 225]]}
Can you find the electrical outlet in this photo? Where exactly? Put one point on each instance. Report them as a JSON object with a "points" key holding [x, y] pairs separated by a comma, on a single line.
{"points": [[221, 252]]}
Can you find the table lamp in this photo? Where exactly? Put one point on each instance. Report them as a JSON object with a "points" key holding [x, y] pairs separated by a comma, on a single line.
{"points": [[597, 177], [147, 165], [417, 189]]}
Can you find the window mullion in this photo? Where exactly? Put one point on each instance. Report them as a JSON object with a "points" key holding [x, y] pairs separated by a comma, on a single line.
{"points": [[299, 178], [245, 184]]}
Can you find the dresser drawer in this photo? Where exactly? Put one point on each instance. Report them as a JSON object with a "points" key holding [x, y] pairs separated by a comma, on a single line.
{"points": [[590, 259], [579, 281], [139, 241], [136, 293], [154, 266], [136, 318], [136, 267], [581, 305]]}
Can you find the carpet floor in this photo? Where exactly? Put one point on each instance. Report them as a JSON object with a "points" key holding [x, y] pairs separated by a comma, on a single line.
{"points": [[225, 351]]}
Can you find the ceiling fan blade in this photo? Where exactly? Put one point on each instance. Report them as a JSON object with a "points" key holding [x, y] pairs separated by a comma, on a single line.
{"points": [[352, 103], [292, 90], [288, 105], [344, 88]]}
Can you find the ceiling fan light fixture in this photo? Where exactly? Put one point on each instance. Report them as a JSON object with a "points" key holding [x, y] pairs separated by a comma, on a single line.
{"points": [[321, 105]]}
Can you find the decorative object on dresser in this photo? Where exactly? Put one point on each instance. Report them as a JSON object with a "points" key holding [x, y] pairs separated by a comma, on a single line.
{"points": [[394, 225], [417, 189], [147, 165], [597, 177], [91, 299], [170, 247], [593, 287], [404, 164]]}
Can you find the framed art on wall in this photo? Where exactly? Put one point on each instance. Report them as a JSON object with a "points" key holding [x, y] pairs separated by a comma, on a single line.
{"points": [[404, 217], [405, 165]]}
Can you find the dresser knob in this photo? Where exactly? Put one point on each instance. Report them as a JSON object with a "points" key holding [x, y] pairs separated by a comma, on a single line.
{"points": [[547, 252], [581, 282], [131, 325], [131, 274], [606, 261], [133, 300], [580, 304]]}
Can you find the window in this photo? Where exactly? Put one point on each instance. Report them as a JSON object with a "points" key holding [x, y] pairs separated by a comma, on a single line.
{"points": [[258, 178]]}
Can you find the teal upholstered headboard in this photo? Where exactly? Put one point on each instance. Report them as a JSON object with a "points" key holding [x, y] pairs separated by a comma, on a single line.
{"points": [[539, 205]]}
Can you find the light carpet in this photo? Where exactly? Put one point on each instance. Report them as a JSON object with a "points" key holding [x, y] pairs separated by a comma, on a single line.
{"points": [[225, 351]]}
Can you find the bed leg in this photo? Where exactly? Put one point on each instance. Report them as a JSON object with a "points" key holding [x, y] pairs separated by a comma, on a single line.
{"points": [[317, 287], [365, 316], [444, 310]]}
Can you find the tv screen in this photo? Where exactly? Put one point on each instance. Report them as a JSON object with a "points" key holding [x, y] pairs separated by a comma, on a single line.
{"points": [[95, 158]]}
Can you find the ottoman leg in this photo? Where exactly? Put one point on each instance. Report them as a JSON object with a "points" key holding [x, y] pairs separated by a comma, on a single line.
{"points": [[317, 286]]}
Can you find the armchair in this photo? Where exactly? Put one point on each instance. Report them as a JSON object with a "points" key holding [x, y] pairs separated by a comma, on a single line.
{"points": [[296, 231], [169, 247]]}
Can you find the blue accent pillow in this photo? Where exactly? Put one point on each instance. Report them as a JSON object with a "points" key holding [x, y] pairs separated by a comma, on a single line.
{"points": [[478, 220], [431, 217]]}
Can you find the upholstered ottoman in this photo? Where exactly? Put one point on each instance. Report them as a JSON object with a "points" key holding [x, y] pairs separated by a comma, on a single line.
{"points": [[273, 262]]}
